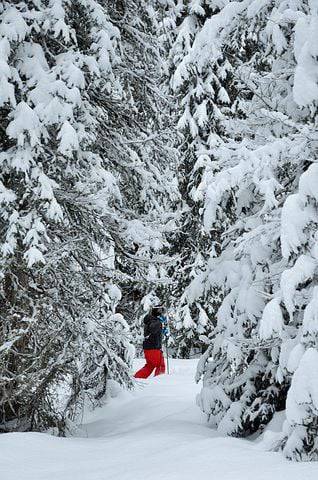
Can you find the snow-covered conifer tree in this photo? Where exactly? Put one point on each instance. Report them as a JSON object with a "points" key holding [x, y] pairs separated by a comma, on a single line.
{"points": [[267, 262], [148, 156], [202, 101], [79, 199]]}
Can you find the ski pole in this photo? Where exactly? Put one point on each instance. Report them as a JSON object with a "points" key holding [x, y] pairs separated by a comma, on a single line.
{"points": [[165, 332], [167, 355]]}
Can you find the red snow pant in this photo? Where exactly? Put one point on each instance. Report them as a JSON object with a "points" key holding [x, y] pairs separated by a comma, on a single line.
{"points": [[154, 360]]}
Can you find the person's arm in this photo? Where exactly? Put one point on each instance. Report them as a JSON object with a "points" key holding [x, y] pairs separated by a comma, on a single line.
{"points": [[164, 322]]}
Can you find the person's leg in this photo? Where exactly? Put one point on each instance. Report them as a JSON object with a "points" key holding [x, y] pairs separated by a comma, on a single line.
{"points": [[161, 367], [147, 369]]}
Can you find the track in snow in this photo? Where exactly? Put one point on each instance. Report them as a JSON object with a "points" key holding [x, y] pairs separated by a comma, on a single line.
{"points": [[156, 433]]}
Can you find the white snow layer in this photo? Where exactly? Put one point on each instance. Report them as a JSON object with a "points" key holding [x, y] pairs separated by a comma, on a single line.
{"points": [[155, 433], [272, 320]]}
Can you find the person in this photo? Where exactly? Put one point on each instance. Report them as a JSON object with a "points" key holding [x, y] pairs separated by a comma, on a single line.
{"points": [[155, 325]]}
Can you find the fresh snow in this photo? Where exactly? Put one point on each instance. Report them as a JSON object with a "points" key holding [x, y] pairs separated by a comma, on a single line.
{"points": [[156, 432]]}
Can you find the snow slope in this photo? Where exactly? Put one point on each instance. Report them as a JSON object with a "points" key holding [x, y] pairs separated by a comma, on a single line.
{"points": [[156, 433]]}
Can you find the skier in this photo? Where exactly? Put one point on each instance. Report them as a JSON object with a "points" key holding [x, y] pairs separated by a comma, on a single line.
{"points": [[155, 325]]}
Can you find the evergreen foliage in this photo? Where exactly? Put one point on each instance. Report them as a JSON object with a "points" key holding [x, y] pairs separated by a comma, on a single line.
{"points": [[261, 192], [160, 152], [83, 173], [200, 98]]}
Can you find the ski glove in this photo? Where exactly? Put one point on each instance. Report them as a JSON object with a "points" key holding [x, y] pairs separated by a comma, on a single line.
{"points": [[164, 322]]}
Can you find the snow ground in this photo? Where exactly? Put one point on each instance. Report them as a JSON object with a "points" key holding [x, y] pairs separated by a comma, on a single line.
{"points": [[155, 433]]}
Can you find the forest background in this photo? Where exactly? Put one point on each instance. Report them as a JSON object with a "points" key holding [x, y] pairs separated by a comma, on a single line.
{"points": [[160, 151]]}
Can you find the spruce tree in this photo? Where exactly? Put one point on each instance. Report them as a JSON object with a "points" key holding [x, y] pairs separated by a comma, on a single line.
{"points": [[80, 200], [260, 200], [148, 160], [201, 102]]}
